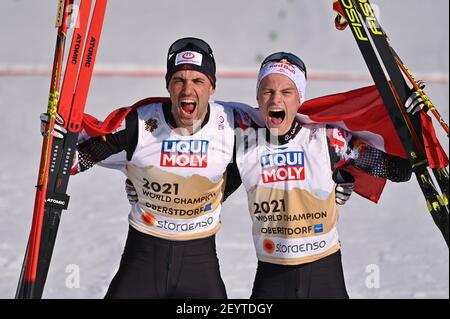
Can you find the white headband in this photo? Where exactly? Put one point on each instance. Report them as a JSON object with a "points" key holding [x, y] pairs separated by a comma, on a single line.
{"points": [[291, 71]]}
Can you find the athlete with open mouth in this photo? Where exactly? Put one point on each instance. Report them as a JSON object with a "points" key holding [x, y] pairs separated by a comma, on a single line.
{"points": [[281, 93], [190, 81], [189, 91]]}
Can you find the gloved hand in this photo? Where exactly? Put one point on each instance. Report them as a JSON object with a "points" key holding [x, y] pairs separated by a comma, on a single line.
{"points": [[345, 183], [131, 192], [415, 103], [58, 130]]}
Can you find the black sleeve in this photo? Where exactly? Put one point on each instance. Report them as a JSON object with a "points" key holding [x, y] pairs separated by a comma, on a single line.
{"points": [[380, 164], [232, 176], [97, 149], [371, 160]]}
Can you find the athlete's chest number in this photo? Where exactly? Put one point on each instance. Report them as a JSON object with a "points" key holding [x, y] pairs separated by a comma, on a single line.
{"points": [[166, 188], [275, 206]]}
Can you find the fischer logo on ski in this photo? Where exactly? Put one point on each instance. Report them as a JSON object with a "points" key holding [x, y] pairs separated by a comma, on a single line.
{"points": [[354, 20]]}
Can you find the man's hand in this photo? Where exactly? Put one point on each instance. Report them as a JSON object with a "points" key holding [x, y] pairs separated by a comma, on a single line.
{"points": [[343, 192], [415, 103], [131, 192], [345, 183], [58, 130]]}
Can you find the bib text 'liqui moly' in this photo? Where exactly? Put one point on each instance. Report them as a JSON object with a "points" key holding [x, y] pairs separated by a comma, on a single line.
{"points": [[285, 166], [192, 153]]}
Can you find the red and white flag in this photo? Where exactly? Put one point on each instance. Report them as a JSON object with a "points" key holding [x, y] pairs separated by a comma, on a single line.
{"points": [[363, 113]]}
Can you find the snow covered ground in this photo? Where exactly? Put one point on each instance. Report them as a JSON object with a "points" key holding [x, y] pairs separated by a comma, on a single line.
{"points": [[396, 238]]}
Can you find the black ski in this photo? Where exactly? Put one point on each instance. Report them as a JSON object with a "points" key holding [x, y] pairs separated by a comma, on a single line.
{"points": [[394, 93], [391, 61]]}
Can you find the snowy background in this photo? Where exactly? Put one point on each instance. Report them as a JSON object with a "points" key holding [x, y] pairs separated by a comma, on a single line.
{"points": [[395, 237]]}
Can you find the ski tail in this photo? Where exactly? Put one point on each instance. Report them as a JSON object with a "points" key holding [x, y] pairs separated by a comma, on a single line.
{"points": [[87, 68], [51, 197]]}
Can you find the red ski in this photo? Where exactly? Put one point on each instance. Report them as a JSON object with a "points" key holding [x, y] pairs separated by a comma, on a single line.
{"points": [[57, 154]]}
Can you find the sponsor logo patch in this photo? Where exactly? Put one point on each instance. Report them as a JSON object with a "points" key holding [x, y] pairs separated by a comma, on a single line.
{"points": [[191, 154], [151, 125], [318, 228], [148, 218], [189, 57], [269, 246], [221, 121], [284, 166], [284, 67]]}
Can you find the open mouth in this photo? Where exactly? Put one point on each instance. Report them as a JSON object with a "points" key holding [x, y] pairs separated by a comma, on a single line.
{"points": [[188, 106], [277, 117]]}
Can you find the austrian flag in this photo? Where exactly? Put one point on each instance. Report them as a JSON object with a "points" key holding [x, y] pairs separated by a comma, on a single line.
{"points": [[362, 113]]}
